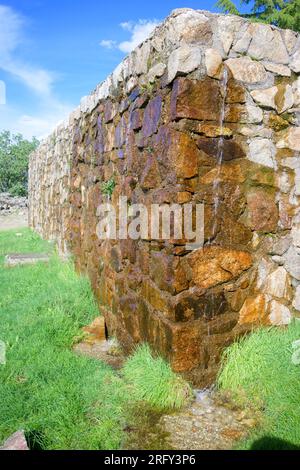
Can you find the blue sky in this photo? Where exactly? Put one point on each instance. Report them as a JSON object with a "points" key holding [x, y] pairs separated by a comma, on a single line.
{"points": [[54, 52]]}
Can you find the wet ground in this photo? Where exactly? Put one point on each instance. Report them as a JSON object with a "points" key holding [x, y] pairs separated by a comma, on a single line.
{"points": [[207, 424], [210, 422]]}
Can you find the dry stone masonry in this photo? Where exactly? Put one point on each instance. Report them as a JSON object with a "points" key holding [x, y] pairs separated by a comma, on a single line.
{"points": [[154, 127]]}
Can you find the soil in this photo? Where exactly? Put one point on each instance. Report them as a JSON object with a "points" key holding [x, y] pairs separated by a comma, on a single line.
{"points": [[14, 221]]}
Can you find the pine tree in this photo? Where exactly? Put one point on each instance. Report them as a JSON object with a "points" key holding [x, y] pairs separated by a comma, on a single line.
{"points": [[227, 6], [282, 13]]}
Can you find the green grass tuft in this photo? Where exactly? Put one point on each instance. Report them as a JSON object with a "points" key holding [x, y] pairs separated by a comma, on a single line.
{"points": [[154, 381], [258, 369]]}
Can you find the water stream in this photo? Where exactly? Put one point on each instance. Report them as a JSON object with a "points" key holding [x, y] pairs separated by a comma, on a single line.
{"points": [[220, 152]]}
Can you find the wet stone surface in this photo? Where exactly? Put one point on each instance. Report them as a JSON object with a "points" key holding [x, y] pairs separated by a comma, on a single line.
{"points": [[206, 425]]}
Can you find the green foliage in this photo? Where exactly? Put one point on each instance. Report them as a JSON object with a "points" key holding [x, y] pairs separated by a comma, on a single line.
{"points": [[60, 399], [14, 156], [108, 187], [154, 381], [227, 6], [63, 400], [282, 13], [259, 370]]}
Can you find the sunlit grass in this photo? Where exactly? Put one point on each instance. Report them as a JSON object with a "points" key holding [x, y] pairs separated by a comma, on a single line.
{"points": [[259, 370], [61, 400], [153, 380]]}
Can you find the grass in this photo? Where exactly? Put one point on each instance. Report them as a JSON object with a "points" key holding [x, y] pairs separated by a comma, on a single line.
{"points": [[259, 370], [153, 380], [61, 400]]}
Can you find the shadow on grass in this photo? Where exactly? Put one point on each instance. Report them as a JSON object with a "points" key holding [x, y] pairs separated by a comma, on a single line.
{"points": [[273, 443]]}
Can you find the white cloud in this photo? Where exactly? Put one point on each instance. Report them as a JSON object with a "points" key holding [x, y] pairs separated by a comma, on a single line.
{"points": [[109, 43], [50, 110], [40, 124], [11, 37], [139, 32]]}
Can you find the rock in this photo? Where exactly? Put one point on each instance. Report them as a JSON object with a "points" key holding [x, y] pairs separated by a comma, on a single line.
{"points": [[278, 260], [290, 139], [209, 130], [232, 171], [260, 41], [213, 62], [265, 97], [263, 270], [228, 26], [235, 92], [190, 27], [16, 442], [290, 39], [254, 114], [261, 309], [18, 259], [262, 151], [231, 148], [295, 62], [10, 204], [248, 113], [278, 69], [265, 41], [214, 265], [279, 314], [296, 302], [254, 310], [281, 246], [278, 97], [96, 330], [277, 284], [262, 210], [186, 155], [199, 100], [246, 70], [156, 71], [296, 235], [150, 176], [284, 98], [183, 60], [243, 40], [152, 116], [296, 89], [292, 262], [142, 54], [156, 298]]}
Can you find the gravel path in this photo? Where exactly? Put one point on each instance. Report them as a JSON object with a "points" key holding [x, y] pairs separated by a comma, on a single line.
{"points": [[14, 221]]}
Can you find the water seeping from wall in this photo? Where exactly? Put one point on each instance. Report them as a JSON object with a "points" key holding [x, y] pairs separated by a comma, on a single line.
{"points": [[220, 151], [219, 162]]}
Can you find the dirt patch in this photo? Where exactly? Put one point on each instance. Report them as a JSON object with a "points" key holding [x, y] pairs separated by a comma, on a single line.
{"points": [[14, 221], [105, 351]]}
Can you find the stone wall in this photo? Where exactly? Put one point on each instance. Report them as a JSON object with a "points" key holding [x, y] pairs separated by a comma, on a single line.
{"points": [[155, 127]]}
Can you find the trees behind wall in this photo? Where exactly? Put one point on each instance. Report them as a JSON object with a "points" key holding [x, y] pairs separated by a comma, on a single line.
{"points": [[281, 13], [14, 158]]}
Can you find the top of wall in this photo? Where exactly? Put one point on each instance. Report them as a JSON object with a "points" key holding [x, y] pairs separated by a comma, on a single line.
{"points": [[180, 44]]}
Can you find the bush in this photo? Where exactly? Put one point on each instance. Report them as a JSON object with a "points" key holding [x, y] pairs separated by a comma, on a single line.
{"points": [[14, 158]]}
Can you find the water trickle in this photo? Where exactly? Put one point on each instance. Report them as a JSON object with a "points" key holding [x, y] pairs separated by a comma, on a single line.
{"points": [[220, 152]]}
